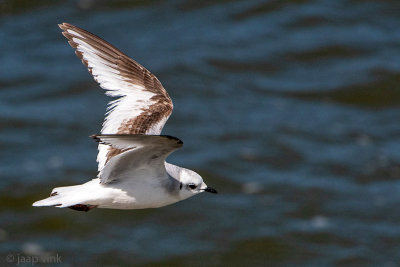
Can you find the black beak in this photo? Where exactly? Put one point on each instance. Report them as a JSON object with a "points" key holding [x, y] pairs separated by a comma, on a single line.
{"points": [[211, 190]]}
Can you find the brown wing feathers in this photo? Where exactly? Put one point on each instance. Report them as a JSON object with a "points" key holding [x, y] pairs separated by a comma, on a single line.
{"points": [[125, 69]]}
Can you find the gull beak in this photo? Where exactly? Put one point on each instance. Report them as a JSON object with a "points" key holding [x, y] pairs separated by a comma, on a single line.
{"points": [[210, 190]]}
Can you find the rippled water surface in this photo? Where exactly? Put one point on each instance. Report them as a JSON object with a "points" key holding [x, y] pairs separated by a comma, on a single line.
{"points": [[289, 108]]}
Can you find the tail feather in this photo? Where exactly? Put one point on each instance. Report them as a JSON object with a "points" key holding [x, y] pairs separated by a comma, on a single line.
{"points": [[50, 201], [60, 197]]}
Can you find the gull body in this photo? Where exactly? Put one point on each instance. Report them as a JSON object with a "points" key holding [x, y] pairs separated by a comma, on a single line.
{"points": [[132, 171], [140, 192]]}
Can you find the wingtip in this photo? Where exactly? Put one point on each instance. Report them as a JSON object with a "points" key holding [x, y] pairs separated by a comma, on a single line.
{"points": [[178, 141], [95, 137], [62, 25], [65, 25]]}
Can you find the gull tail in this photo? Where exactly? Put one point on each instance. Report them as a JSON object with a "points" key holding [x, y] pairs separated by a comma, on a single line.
{"points": [[65, 197]]}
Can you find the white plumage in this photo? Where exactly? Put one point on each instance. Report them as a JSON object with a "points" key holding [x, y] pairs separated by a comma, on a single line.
{"points": [[132, 169]]}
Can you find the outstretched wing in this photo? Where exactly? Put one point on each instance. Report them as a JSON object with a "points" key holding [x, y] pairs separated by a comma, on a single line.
{"points": [[147, 157], [143, 105]]}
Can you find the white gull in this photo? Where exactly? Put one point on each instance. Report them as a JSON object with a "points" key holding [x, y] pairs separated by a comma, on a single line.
{"points": [[133, 173]]}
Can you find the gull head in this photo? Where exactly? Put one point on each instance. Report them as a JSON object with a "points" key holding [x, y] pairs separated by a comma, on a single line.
{"points": [[191, 184]]}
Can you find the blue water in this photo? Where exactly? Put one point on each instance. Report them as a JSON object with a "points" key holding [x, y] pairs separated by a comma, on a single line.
{"points": [[289, 108]]}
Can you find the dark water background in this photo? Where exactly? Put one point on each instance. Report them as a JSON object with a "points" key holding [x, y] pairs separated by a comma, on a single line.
{"points": [[290, 108]]}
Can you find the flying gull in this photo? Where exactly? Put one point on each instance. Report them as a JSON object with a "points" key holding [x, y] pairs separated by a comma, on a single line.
{"points": [[132, 171]]}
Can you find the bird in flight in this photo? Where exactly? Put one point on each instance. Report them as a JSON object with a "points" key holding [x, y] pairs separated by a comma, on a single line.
{"points": [[132, 171]]}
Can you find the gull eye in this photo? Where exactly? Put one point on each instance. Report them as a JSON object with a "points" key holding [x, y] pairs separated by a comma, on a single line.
{"points": [[192, 186]]}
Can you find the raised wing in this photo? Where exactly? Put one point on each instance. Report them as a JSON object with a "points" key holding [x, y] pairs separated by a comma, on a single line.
{"points": [[143, 105], [147, 157]]}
